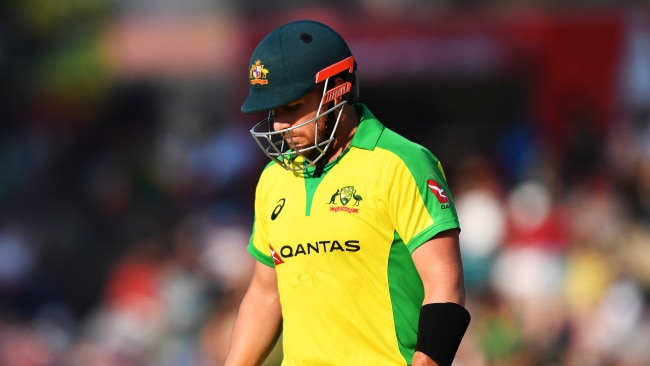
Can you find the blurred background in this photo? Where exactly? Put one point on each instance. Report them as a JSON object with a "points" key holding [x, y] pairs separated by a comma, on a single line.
{"points": [[127, 172]]}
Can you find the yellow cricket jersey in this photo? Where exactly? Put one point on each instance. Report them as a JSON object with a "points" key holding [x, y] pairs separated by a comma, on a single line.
{"points": [[341, 246]]}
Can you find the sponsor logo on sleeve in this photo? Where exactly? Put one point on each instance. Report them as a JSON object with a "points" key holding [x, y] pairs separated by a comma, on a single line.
{"points": [[439, 192]]}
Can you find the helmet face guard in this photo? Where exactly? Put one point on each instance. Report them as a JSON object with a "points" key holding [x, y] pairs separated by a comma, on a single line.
{"points": [[279, 145]]}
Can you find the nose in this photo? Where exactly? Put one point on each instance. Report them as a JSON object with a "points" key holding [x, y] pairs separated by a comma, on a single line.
{"points": [[280, 123]]}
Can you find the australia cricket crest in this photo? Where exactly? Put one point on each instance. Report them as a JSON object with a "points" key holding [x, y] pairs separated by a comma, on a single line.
{"points": [[345, 195], [257, 73]]}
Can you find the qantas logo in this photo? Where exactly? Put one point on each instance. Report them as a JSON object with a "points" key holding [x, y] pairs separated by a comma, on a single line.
{"points": [[438, 191], [322, 246], [312, 248], [276, 258]]}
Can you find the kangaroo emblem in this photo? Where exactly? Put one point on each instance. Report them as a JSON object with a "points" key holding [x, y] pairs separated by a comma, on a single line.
{"points": [[333, 199], [345, 195]]}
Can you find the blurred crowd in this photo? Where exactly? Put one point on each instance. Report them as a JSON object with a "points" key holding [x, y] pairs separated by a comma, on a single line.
{"points": [[556, 239], [556, 269], [126, 206]]}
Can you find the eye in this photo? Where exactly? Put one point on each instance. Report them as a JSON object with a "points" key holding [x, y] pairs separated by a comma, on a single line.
{"points": [[291, 107]]}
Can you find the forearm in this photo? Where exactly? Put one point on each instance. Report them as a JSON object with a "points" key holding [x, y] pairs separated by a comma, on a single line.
{"points": [[454, 292], [257, 327], [443, 318], [420, 359]]}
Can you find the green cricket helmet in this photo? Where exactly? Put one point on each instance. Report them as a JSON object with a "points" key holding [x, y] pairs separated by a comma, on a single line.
{"points": [[286, 65]]}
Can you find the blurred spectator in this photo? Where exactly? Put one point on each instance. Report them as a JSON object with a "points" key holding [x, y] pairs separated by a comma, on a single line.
{"points": [[481, 210], [17, 261]]}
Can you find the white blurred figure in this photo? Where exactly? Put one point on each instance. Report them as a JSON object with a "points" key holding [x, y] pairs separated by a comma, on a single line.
{"points": [[482, 214], [615, 329], [528, 273], [483, 218], [620, 313], [226, 258], [228, 264], [530, 265]]}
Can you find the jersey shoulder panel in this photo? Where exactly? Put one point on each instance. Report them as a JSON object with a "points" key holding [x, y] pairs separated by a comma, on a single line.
{"points": [[422, 203], [415, 156]]}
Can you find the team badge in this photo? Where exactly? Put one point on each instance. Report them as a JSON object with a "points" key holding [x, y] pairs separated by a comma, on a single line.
{"points": [[257, 73], [345, 195]]}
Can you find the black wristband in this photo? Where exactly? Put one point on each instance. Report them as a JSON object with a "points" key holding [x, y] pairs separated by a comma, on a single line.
{"points": [[440, 330]]}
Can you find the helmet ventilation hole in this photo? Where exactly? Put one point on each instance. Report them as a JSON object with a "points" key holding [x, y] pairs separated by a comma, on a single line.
{"points": [[306, 38]]}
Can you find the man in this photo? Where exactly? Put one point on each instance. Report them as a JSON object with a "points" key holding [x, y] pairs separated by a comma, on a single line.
{"points": [[355, 232]]}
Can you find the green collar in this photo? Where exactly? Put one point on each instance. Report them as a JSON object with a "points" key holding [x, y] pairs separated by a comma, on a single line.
{"points": [[366, 136], [369, 130]]}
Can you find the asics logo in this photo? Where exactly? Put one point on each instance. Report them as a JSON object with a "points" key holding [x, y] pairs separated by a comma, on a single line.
{"points": [[278, 208]]}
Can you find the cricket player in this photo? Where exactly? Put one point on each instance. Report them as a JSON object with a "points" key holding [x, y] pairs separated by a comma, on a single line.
{"points": [[355, 234]]}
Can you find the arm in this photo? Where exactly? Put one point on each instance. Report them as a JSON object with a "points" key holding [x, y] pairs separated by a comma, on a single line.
{"points": [[439, 264], [259, 320]]}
